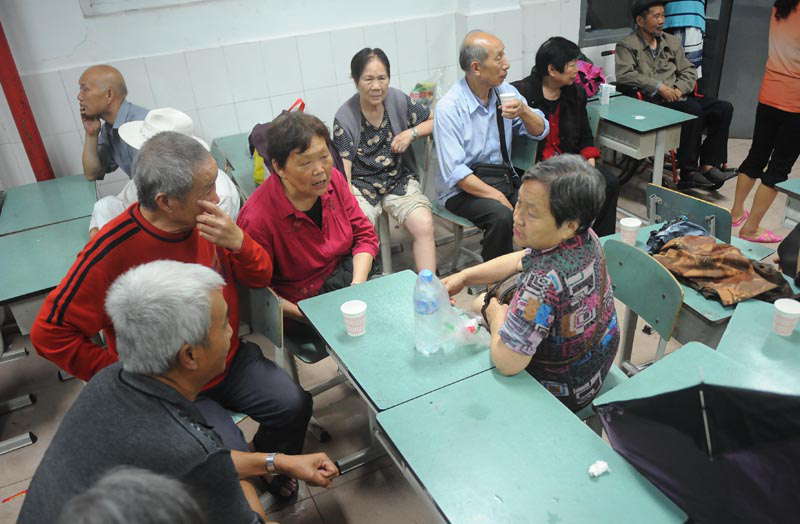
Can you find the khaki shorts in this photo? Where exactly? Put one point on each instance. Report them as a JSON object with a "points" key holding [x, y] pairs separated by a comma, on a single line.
{"points": [[399, 207]]}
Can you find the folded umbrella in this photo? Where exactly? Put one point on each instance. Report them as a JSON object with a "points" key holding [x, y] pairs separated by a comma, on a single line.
{"points": [[722, 454]]}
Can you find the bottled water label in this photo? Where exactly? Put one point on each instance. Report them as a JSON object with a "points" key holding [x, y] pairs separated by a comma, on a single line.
{"points": [[425, 307]]}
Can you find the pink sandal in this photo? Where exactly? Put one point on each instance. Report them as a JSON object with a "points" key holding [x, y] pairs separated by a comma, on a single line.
{"points": [[767, 237], [739, 221]]}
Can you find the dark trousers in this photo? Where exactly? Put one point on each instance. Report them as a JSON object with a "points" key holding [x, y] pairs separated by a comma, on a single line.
{"points": [[713, 116], [606, 221], [776, 140], [493, 218], [257, 387]]}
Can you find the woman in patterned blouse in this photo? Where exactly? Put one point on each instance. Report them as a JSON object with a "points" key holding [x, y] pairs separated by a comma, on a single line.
{"points": [[373, 132], [561, 325]]}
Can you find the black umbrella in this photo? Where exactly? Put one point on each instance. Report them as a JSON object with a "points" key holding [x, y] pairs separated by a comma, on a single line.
{"points": [[722, 454]]}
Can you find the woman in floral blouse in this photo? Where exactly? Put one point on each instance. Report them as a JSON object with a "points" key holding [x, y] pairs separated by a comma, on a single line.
{"points": [[373, 132]]}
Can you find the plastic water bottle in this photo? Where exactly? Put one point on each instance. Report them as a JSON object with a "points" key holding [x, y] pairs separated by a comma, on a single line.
{"points": [[430, 304]]}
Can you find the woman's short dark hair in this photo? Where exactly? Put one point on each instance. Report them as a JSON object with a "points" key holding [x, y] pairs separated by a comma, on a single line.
{"points": [[557, 52], [362, 58], [783, 8], [577, 190], [293, 131]]}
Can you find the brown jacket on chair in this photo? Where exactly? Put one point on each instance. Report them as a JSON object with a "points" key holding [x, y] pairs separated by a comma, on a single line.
{"points": [[716, 270]]}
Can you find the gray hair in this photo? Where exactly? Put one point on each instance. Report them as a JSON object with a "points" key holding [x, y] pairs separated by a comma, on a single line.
{"points": [[127, 494], [156, 308], [469, 52], [166, 163], [577, 190]]}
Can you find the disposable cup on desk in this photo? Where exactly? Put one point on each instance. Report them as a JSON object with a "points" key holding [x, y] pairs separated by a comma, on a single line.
{"points": [[606, 90], [787, 314], [629, 228], [355, 317]]}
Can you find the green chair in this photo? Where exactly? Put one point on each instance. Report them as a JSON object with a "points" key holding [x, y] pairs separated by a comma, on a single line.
{"points": [[422, 156], [263, 309], [232, 154], [665, 204], [523, 156], [648, 290], [523, 152]]}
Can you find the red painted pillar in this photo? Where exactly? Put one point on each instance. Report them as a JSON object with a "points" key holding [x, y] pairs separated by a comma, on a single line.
{"points": [[23, 116]]}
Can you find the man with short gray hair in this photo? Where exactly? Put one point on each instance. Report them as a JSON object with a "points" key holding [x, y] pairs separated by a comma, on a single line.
{"points": [[173, 334], [177, 218], [466, 128]]}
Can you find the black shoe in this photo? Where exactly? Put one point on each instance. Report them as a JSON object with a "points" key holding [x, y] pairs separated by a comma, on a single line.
{"points": [[719, 176], [695, 180]]}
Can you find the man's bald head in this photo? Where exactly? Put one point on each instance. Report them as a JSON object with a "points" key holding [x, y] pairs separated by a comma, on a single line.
{"points": [[476, 47], [106, 77]]}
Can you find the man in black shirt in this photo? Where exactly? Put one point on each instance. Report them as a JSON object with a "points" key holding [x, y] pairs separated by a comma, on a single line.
{"points": [[173, 335]]}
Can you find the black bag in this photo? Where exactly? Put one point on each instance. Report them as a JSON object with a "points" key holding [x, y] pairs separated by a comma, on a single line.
{"points": [[502, 177], [789, 254]]}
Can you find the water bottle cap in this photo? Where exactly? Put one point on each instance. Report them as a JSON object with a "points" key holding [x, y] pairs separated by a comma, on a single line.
{"points": [[426, 275]]}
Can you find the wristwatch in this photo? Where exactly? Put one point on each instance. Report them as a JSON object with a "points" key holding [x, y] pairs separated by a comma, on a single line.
{"points": [[414, 133], [269, 462]]}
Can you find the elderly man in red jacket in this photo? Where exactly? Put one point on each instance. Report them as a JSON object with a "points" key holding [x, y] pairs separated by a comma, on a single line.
{"points": [[177, 218]]}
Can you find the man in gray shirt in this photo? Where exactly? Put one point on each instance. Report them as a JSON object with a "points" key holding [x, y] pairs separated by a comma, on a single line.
{"points": [[101, 96], [173, 336]]}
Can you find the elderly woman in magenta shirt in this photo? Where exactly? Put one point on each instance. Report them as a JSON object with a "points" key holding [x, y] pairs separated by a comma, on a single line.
{"points": [[305, 216], [561, 325]]}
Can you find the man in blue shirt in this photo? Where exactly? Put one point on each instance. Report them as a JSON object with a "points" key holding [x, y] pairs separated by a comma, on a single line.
{"points": [[101, 96], [466, 133]]}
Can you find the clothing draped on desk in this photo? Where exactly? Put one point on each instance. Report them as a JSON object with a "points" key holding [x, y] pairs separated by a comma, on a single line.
{"points": [[715, 269]]}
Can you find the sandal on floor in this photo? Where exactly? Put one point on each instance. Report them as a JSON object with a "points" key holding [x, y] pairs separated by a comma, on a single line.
{"points": [[767, 237], [282, 487], [739, 221]]}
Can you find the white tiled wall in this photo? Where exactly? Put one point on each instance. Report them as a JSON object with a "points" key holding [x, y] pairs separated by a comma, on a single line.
{"points": [[227, 89]]}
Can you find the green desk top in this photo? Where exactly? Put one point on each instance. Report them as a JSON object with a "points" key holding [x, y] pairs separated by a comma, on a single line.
{"points": [[236, 150], [627, 112], [43, 203], [749, 340], [791, 187], [690, 365], [711, 310], [503, 449], [36, 260], [383, 361]]}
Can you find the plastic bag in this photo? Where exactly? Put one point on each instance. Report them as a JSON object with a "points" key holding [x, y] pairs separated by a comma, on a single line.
{"points": [[461, 330], [427, 92]]}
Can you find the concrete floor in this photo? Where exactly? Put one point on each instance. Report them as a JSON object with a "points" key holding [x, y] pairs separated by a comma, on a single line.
{"points": [[374, 493]]}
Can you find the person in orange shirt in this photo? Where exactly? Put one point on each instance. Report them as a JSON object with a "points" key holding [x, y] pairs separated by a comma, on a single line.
{"points": [[776, 135]]}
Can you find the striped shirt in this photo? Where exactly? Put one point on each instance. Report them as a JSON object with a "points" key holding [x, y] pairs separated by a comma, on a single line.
{"points": [[74, 311]]}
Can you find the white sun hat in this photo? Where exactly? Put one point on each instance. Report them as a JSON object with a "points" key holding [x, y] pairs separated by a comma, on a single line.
{"points": [[137, 132]]}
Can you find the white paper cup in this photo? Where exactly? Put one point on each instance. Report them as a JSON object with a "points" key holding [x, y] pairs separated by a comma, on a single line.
{"points": [[787, 313], [629, 227], [355, 317], [605, 94], [506, 97]]}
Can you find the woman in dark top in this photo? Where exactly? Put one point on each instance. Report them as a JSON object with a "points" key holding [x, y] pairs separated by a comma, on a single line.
{"points": [[551, 88]]}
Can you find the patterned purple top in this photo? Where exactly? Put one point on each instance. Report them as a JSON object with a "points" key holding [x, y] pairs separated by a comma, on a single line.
{"points": [[563, 314]]}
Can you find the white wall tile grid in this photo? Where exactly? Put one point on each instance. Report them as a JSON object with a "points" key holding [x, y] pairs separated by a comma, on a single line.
{"points": [[228, 89]]}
